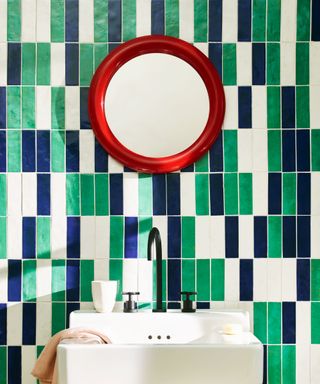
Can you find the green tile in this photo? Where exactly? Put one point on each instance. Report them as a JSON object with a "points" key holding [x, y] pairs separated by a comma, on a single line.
{"points": [[57, 107], [229, 64], [274, 150], [43, 63], [102, 194], [14, 107], [260, 321], [200, 21], [289, 185], [259, 20], [40, 348], [274, 364], [29, 288], [116, 237], [86, 276], [172, 18], [273, 107], [303, 20], [3, 194], [58, 317], [128, 20], [203, 280], [188, 237], [315, 153], [288, 364], [58, 140], [43, 237], [274, 323], [28, 63], [14, 151], [217, 279], [302, 63], [57, 20], [3, 238], [14, 20], [273, 20], [315, 279], [86, 64], [115, 273], [202, 165], [230, 150], [145, 194], [100, 20], [87, 195], [202, 194], [188, 275], [58, 280], [100, 52], [28, 108], [273, 63], [231, 193], [73, 194], [245, 187], [315, 323], [3, 365], [145, 225], [303, 107], [274, 236]]}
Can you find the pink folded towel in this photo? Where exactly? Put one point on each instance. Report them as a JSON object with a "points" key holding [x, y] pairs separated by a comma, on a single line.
{"points": [[45, 368]]}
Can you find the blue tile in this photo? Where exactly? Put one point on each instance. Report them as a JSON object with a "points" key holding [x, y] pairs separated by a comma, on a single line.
{"points": [[216, 155], [3, 151], [114, 20], [84, 116], [274, 193], [112, 46], [14, 280], [260, 236], [246, 280], [304, 193], [288, 107], [304, 236], [173, 193], [159, 194], [43, 151], [73, 280], [189, 168], [258, 63], [72, 151], [216, 194], [29, 324], [174, 305], [3, 324], [28, 151], [303, 279], [232, 236], [70, 308], [72, 63], [288, 323], [245, 107], [174, 279], [43, 194], [116, 194], [289, 236], [14, 64], [131, 238], [203, 305], [73, 237], [265, 364], [29, 237], [315, 17], [288, 151], [14, 365], [303, 150], [100, 158], [157, 17], [215, 20], [244, 20], [72, 20], [174, 237], [215, 56], [3, 108]]}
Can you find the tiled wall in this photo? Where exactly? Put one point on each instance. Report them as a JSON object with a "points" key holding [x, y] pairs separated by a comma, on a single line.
{"points": [[241, 226]]}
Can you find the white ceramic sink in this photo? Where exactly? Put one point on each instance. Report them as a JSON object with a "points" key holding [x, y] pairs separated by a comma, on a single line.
{"points": [[163, 348]]}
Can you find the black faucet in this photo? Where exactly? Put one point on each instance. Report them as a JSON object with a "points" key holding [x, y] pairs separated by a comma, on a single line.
{"points": [[154, 235]]}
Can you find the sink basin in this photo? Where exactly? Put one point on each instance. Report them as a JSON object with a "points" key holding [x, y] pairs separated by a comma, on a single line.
{"points": [[163, 348]]}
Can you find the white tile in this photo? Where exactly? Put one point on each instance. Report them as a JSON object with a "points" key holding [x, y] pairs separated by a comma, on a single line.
{"points": [[259, 107], [58, 194], [143, 22], [145, 280], [186, 20], [315, 366], [3, 21], [101, 269], [288, 20], [130, 275], [274, 279], [3, 281], [130, 194], [315, 193], [28, 20], [14, 198], [217, 237], [86, 150], [289, 279], [43, 107], [14, 237], [231, 279], [72, 110], [230, 21], [260, 193], [315, 238], [86, 21], [114, 166], [162, 224], [314, 58], [302, 363], [57, 64], [245, 150], [3, 63], [260, 279], [28, 359], [58, 237], [43, 323], [85, 306], [203, 47], [231, 114], [288, 63], [244, 63], [303, 322], [246, 237], [187, 187], [203, 243], [44, 280], [29, 194], [260, 150], [43, 21], [14, 324], [102, 234], [87, 237], [314, 106]]}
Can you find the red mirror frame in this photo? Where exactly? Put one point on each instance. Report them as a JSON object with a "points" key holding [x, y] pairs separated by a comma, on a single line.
{"points": [[156, 44]]}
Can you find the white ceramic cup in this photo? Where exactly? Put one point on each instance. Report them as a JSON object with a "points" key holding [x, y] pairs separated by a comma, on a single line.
{"points": [[104, 294]]}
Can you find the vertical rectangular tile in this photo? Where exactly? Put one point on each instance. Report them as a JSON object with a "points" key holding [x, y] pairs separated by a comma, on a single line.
{"points": [[86, 64], [303, 20], [232, 236], [173, 193], [274, 323], [114, 20], [273, 63], [274, 236], [302, 63], [229, 64], [203, 280], [229, 21], [303, 280], [303, 150], [202, 194], [274, 193], [188, 275], [116, 237], [143, 17], [273, 20], [244, 20], [315, 28], [217, 279], [245, 190], [259, 20], [174, 237], [246, 280], [288, 364], [200, 21], [231, 193], [245, 107], [288, 322], [57, 20], [14, 20], [188, 237], [302, 107], [260, 320], [172, 18], [304, 236]]}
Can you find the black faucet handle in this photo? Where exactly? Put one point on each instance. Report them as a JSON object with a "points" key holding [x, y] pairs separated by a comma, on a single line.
{"points": [[130, 294], [187, 302], [130, 305]]}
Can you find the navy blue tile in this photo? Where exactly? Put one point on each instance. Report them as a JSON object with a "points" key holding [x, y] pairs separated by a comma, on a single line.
{"points": [[304, 237], [114, 20], [203, 305], [174, 305], [84, 117], [157, 17], [3, 324], [315, 28], [29, 324], [100, 158], [116, 194], [260, 236], [70, 308], [14, 280], [72, 64], [289, 236], [3, 151], [288, 107], [246, 280], [288, 323], [159, 194], [174, 237], [73, 237], [303, 279], [28, 151], [215, 56], [216, 194], [43, 151], [173, 193], [3, 107], [244, 20], [14, 365], [189, 168], [73, 280], [72, 20], [43, 194], [174, 279], [14, 64], [72, 151], [215, 20], [288, 151], [245, 107], [131, 238], [112, 46], [304, 194], [216, 155], [29, 237], [232, 236], [258, 64], [303, 150], [265, 364], [274, 193]]}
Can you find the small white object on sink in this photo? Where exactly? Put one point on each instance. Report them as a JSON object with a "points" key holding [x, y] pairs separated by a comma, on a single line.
{"points": [[232, 329], [104, 294]]}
